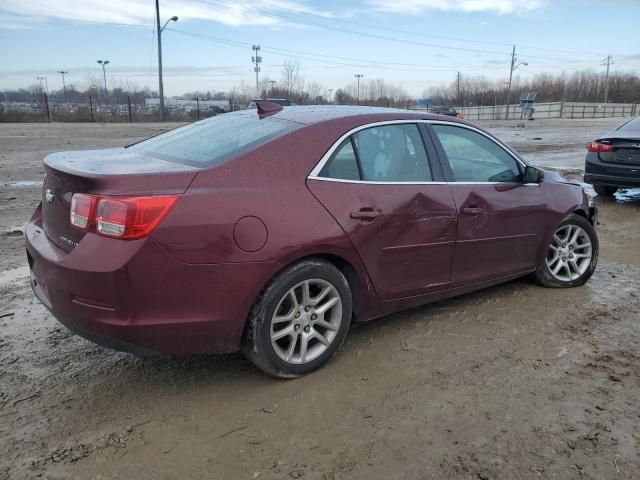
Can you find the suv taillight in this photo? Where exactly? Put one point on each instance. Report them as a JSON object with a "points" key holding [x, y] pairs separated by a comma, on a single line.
{"points": [[597, 147], [120, 217]]}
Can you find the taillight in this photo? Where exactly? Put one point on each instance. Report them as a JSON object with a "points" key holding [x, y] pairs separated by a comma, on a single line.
{"points": [[82, 207], [597, 147], [124, 217]]}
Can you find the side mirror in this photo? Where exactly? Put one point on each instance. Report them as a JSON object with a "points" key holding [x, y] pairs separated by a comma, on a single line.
{"points": [[533, 174]]}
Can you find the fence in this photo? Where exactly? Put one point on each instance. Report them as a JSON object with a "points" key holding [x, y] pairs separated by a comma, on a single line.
{"points": [[552, 110], [47, 111], [93, 112]]}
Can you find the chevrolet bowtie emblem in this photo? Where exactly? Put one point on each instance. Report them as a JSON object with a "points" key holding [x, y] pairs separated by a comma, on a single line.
{"points": [[48, 195]]}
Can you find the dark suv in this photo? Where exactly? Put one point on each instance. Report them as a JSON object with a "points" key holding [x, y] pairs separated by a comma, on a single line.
{"points": [[613, 161]]}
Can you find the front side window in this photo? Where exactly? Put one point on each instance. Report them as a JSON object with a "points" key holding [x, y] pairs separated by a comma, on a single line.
{"points": [[475, 158], [214, 140]]}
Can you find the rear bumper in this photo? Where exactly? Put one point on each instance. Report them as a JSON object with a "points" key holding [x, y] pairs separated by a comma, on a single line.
{"points": [[136, 297], [611, 180], [622, 175]]}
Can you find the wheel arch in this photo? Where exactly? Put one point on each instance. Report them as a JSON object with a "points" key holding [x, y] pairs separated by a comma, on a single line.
{"points": [[355, 274], [581, 212]]}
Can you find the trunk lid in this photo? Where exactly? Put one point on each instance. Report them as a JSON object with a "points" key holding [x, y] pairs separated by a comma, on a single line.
{"points": [[626, 150], [116, 171]]}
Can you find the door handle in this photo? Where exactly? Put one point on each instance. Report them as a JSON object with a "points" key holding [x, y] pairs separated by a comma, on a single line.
{"points": [[472, 210], [367, 215]]}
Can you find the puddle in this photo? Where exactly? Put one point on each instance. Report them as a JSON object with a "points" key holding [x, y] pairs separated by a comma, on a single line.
{"points": [[15, 231], [23, 183]]}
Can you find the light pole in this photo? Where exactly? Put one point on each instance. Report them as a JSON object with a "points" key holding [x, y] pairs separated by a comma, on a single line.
{"points": [[64, 87], [330, 98], [272, 83], [514, 59], [41, 79], [160, 29], [358, 76], [104, 63]]}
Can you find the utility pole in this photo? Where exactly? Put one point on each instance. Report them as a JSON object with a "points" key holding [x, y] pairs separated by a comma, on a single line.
{"points": [[513, 61], [458, 78], [330, 97], [104, 63], [64, 87], [271, 84], [358, 76], [607, 62], [257, 59], [512, 69]]}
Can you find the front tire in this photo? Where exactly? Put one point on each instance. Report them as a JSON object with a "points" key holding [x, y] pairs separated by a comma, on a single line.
{"points": [[572, 254], [605, 190], [300, 319]]}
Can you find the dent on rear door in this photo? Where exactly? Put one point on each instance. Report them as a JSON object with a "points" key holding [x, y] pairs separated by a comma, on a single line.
{"points": [[408, 248]]}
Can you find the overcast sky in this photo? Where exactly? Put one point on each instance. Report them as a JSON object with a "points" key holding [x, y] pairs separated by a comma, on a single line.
{"points": [[415, 43]]}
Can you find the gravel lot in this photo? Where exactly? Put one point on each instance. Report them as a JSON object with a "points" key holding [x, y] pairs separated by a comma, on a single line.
{"points": [[512, 382]]}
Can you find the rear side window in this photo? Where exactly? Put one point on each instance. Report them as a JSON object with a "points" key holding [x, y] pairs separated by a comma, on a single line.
{"points": [[388, 153], [342, 164], [392, 153], [214, 140], [475, 158]]}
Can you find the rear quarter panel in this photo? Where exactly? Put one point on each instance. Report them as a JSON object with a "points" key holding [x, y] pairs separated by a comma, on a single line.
{"points": [[270, 184]]}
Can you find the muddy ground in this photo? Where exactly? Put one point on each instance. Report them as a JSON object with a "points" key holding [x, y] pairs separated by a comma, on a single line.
{"points": [[512, 382]]}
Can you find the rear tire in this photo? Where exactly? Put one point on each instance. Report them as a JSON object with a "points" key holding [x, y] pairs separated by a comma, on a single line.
{"points": [[300, 319], [572, 255], [605, 190]]}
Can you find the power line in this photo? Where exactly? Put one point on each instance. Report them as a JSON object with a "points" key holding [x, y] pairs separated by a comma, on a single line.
{"points": [[362, 63], [382, 37], [54, 17], [333, 19], [441, 37], [365, 34], [306, 56]]}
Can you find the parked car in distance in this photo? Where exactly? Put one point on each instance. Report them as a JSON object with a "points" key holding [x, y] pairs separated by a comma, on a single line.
{"points": [[613, 161], [284, 102], [272, 230], [449, 111]]}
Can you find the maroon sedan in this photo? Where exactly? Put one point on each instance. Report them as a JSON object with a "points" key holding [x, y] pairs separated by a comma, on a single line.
{"points": [[272, 230]]}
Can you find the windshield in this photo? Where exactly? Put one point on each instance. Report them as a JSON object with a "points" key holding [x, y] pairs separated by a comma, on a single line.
{"points": [[212, 141]]}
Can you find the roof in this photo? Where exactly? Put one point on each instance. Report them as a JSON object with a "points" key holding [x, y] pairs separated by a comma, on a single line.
{"points": [[309, 114]]}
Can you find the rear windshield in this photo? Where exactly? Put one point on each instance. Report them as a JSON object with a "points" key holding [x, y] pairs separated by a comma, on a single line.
{"points": [[214, 140], [632, 126]]}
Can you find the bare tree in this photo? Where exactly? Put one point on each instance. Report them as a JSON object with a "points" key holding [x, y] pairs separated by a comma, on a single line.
{"points": [[291, 78], [314, 92]]}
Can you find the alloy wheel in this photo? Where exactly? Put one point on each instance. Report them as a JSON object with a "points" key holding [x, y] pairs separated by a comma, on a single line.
{"points": [[306, 321], [570, 253]]}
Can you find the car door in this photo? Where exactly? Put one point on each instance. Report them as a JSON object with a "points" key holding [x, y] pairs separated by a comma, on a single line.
{"points": [[380, 185], [500, 218]]}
